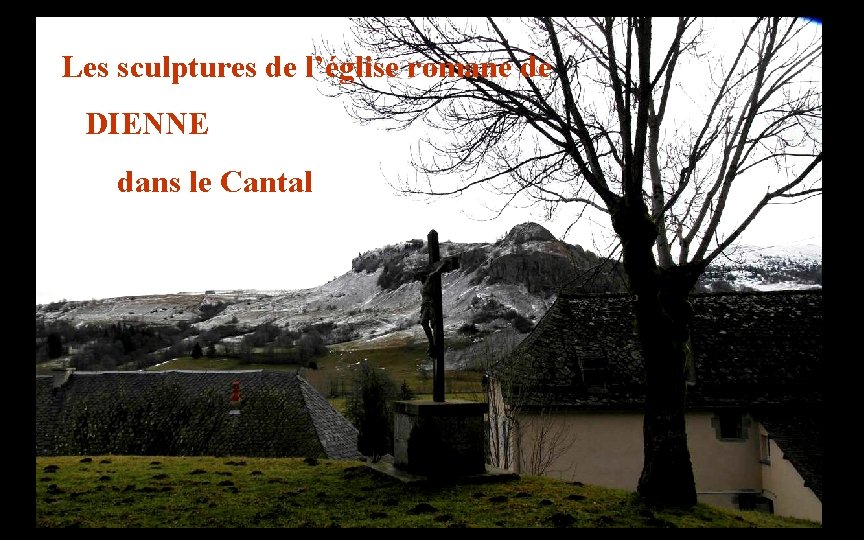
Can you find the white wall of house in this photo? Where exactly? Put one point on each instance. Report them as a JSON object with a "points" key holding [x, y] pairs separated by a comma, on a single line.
{"points": [[606, 448], [786, 487], [723, 467], [603, 448]]}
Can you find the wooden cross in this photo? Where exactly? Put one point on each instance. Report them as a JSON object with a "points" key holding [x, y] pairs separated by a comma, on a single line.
{"points": [[431, 316]]}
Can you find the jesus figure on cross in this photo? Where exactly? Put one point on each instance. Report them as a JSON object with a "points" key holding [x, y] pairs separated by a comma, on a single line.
{"points": [[431, 316]]}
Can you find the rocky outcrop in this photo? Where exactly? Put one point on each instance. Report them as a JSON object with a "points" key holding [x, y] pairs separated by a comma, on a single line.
{"points": [[528, 232], [528, 255], [541, 273], [396, 261]]}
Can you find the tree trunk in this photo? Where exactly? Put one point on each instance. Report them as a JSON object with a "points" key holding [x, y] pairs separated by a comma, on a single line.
{"points": [[667, 473], [662, 314]]}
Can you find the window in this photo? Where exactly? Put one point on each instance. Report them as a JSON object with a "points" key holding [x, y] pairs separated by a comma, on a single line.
{"points": [[593, 372], [731, 425], [765, 449]]}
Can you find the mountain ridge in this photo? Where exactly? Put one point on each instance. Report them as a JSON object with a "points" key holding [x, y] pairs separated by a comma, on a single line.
{"points": [[520, 272]]}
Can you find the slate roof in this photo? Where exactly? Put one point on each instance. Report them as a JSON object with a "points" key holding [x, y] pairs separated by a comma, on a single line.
{"points": [[186, 413], [749, 349]]}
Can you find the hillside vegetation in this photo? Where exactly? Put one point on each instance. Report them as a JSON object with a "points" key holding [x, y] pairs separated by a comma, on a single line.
{"points": [[118, 491], [502, 286]]}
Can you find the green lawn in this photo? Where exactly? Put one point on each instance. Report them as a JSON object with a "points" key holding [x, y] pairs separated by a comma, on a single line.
{"points": [[401, 362], [117, 491], [47, 367]]}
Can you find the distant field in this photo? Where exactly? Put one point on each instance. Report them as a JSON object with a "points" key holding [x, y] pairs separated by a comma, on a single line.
{"points": [[141, 491], [335, 370], [44, 368], [401, 363], [227, 364], [398, 356]]}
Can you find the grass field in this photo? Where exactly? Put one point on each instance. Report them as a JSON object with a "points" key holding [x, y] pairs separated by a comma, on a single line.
{"points": [[335, 370], [117, 491], [401, 363]]}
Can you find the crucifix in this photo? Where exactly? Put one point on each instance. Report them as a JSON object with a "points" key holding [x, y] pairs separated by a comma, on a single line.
{"points": [[431, 316]]}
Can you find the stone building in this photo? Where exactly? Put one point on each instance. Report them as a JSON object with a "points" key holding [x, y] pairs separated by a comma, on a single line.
{"points": [[568, 401]]}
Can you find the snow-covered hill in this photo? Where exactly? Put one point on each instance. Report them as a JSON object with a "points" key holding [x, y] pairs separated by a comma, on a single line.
{"points": [[520, 273], [498, 285], [767, 268]]}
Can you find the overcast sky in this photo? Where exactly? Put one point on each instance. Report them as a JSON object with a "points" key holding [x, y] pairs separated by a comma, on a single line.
{"points": [[92, 241]]}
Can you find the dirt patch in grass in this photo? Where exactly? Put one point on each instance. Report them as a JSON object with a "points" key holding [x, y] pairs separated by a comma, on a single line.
{"points": [[562, 520], [423, 508]]}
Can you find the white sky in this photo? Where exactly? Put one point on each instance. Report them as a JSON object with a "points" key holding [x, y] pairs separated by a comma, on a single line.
{"points": [[93, 241]]}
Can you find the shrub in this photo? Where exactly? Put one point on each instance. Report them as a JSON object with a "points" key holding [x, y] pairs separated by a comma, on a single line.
{"points": [[55, 346], [310, 344], [521, 323], [393, 276], [369, 409], [468, 329], [208, 310], [405, 392]]}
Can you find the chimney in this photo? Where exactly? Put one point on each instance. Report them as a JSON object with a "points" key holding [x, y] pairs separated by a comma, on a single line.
{"points": [[235, 398], [61, 376]]}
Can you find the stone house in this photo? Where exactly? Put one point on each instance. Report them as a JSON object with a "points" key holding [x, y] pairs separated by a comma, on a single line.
{"points": [[567, 402]]}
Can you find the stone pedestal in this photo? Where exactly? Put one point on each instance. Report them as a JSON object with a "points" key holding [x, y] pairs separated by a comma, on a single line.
{"points": [[441, 439]]}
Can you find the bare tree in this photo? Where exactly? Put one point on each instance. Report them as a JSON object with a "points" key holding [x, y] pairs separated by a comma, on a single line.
{"points": [[543, 438], [523, 425], [652, 131]]}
